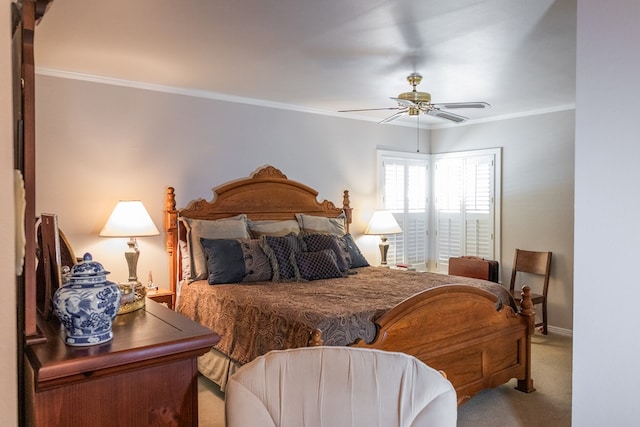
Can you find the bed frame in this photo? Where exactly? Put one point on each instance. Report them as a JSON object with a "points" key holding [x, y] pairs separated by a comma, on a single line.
{"points": [[455, 328]]}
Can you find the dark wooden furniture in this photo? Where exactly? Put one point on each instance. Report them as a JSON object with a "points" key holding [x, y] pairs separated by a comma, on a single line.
{"points": [[456, 329], [25, 14], [473, 266], [162, 296], [146, 376], [537, 263]]}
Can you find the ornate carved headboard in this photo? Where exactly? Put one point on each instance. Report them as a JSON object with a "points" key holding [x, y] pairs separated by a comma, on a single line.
{"points": [[266, 194]]}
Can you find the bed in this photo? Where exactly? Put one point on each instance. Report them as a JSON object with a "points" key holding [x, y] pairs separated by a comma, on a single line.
{"points": [[268, 267]]}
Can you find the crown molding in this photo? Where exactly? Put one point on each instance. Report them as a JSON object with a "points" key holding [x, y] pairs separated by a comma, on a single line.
{"points": [[72, 75]]}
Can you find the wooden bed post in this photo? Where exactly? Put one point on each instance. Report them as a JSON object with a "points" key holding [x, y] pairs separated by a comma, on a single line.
{"points": [[315, 338], [346, 207], [526, 309], [171, 229]]}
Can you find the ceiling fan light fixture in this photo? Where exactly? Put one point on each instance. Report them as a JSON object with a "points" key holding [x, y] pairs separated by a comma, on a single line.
{"points": [[413, 103], [414, 111]]}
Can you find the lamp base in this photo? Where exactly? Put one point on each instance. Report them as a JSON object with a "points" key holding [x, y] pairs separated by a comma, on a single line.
{"points": [[133, 296], [133, 292], [132, 255], [384, 248]]}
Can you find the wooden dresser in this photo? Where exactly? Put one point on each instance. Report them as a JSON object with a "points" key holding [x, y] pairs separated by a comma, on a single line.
{"points": [[145, 376]]}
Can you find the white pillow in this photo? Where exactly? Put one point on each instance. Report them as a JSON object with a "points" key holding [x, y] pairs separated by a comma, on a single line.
{"points": [[321, 224], [273, 227], [185, 258], [226, 228]]}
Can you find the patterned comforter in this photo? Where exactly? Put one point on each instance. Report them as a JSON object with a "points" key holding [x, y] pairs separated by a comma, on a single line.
{"points": [[255, 318]]}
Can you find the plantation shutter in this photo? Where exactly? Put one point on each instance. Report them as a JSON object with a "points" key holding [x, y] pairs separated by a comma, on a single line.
{"points": [[405, 194], [465, 207], [448, 193], [479, 207], [464, 187]]}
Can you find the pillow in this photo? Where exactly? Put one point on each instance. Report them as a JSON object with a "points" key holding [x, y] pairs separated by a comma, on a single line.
{"points": [[357, 259], [235, 261], [273, 228], [185, 259], [280, 250], [226, 228], [317, 242], [317, 265], [321, 224]]}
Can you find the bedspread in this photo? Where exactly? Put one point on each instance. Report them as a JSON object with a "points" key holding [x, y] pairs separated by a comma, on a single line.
{"points": [[255, 318]]}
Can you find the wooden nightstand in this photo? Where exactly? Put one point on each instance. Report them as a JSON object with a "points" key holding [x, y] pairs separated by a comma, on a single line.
{"points": [[162, 296], [147, 375]]}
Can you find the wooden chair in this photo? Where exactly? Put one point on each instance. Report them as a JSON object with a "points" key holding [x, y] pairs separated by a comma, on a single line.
{"points": [[538, 263]]}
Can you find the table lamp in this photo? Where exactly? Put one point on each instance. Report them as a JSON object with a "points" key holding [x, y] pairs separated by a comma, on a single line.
{"points": [[130, 219], [383, 223]]}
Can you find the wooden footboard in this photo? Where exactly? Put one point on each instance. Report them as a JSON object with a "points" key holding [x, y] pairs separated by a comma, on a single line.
{"points": [[457, 329]]}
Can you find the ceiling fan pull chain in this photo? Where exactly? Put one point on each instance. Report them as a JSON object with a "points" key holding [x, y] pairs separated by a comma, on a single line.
{"points": [[418, 134]]}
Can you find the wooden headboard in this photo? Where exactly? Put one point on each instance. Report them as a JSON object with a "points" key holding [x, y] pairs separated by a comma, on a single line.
{"points": [[266, 195]]}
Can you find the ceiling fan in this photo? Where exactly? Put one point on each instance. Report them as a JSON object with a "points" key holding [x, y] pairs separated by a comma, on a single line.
{"points": [[413, 103]]}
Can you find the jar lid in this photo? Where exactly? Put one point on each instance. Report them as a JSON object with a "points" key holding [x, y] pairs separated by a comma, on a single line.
{"points": [[88, 271]]}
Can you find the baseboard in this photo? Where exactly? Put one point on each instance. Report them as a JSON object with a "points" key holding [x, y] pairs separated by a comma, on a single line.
{"points": [[560, 331]]}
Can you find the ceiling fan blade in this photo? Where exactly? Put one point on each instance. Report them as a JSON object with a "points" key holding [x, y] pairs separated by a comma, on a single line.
{"points": [[452, 105], [405, 102], [393, 117], [447, 115], [369, 109]]}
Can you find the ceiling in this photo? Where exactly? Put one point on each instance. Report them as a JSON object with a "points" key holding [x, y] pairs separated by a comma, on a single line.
{"points": [[328, 55]]}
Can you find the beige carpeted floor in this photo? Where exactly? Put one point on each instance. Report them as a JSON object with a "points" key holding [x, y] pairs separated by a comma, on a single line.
{"points": [[548, 406]]}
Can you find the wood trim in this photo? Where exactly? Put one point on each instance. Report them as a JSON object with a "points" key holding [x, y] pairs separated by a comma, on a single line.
{"points": [[476, 345], [29, 165], [31, 13]]}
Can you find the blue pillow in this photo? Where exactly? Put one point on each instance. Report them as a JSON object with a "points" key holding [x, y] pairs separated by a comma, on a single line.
{"points": [[317, 242], [235, 261], [357, 259], [281, 250], [317, 265]]}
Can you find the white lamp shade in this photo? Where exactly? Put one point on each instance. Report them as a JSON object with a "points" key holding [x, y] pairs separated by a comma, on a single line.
{"points": [[129, 219], [383, 222]]}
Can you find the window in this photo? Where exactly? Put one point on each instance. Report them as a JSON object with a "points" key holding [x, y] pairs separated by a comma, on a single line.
{"points": [[404, 187], [465, 205]]}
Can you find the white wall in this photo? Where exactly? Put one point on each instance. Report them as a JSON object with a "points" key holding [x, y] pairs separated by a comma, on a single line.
{"points": [[99, 143], [8, 331], [606, 348], [537, 193]]}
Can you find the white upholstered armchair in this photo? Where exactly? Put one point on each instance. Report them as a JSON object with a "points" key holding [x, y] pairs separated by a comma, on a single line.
{"points": [[339, 386]]}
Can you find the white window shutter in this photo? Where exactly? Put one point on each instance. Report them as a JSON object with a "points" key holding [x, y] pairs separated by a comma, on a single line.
{"points": [[478, 206], [405, 189], [464, 186], [448, 183], [465, 206], [449, 238]]}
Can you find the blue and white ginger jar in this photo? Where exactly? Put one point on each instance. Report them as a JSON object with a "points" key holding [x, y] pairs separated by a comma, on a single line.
{"points": [[87, 304]]}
